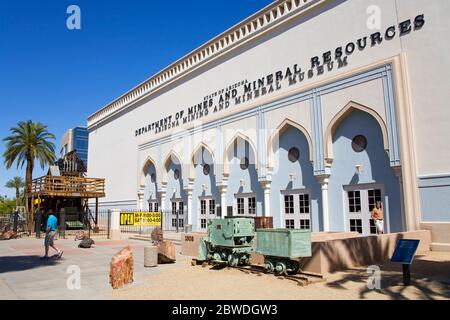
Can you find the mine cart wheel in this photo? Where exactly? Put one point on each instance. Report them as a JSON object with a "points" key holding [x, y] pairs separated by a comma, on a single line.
{"points": [[281, 268], [210, 247], [295, 266], [244, 260], [233, 260], [268, 266]]}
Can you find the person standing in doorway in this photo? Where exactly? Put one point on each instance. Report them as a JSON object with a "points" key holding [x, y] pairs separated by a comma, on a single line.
{"points": [[51, 228], [377, 216]]}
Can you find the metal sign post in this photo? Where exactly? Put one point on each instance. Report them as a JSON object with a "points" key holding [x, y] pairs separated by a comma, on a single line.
{"points": [[404, 253], [406, 274]]}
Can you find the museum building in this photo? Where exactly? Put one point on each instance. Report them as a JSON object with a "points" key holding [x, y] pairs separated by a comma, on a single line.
{"points": [[307, 111]]}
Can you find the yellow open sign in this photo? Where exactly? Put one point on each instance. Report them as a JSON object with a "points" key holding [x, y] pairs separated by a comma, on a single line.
{"points": [[140, 219]]}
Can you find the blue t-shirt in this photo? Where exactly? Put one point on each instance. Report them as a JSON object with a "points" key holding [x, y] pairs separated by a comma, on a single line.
{"points": [[52, 223]]}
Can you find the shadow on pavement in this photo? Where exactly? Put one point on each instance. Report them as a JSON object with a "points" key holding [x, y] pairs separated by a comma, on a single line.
{"points": [[431, 280], [21, 263]]}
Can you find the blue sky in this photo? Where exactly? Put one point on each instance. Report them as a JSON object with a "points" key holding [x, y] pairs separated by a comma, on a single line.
{"points": [[59, 77]]}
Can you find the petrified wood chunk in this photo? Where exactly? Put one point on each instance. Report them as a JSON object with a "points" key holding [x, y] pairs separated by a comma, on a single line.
{"points": [[122, 266], [8, 235], [166, 252], [157, 235]]}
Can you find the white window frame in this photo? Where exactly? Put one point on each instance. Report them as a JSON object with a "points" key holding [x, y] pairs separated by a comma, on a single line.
{"points": [[246, 197], [296, 216], [181, 216], [151, 205], [365, 213], [207, 216]]}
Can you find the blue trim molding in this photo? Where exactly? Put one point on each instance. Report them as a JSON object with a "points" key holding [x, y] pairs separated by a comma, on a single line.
{"points": [[434, 192], [262, 143], [219, 154], [317, 133], [391, 117], [433, 181]]}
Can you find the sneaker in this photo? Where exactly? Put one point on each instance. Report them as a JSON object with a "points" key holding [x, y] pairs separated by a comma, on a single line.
{"points": [[60, 253]]}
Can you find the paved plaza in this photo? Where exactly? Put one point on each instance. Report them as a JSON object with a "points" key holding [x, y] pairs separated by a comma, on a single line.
{"points": [[23, 275]]}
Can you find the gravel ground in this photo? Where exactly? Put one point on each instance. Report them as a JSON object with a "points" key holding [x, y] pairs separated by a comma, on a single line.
{"points": [[181, 281]]}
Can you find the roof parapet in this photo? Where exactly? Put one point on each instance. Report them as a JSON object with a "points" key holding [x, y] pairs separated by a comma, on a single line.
{"points": [[267, 17]]}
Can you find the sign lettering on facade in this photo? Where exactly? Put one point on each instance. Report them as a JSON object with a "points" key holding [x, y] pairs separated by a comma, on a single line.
{"points": [[247, 90]]}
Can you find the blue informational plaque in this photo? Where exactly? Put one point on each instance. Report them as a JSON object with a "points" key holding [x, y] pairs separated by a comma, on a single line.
{"points": [[405, 250]]}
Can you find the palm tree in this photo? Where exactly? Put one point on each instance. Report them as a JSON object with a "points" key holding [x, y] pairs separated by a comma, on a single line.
{"points": [[16, 183], [29, 141]]}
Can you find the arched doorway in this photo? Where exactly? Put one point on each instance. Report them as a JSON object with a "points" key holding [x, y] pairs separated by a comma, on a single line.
{"points": [[151, 196], [176, 198], [244, 192], [361, 175], [205, 205], [296, 194]]}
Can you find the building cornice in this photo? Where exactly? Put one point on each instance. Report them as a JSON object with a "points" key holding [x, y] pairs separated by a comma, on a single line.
{"points": [[257, 24]]}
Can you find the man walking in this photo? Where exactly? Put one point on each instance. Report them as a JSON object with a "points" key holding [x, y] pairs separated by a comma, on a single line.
{"points": [[51, 229]]}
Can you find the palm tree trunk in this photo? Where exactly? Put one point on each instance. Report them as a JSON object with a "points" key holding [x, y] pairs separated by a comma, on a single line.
{"points": [[17, 197], [28, 181]]}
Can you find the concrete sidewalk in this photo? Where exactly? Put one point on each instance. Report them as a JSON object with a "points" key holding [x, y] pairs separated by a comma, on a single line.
{"points": [[23, 275]]}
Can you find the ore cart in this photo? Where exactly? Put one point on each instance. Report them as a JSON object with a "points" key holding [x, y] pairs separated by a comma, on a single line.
{"points": [[229, 241], [283, 248]]}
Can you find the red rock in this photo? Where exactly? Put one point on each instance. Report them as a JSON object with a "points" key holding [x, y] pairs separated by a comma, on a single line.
{"points": [[121, 268], [166, 252], [8, 235]]}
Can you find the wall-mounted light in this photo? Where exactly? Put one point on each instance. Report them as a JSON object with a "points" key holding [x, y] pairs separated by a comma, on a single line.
{"points": [[291, 176], [204, 187], [242, 182], [174, 190], [359, 168]]}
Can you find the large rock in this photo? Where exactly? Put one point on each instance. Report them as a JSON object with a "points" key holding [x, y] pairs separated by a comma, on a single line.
{"points": [[122, 267], [157, 235], [8, 235], [166, 252], [86, 243]]}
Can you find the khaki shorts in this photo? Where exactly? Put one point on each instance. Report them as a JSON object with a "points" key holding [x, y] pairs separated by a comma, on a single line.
{"points": [[49, 238]]}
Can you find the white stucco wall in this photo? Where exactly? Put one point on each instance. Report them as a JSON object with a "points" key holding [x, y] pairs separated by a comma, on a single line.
{"points": [[113, 147]]}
